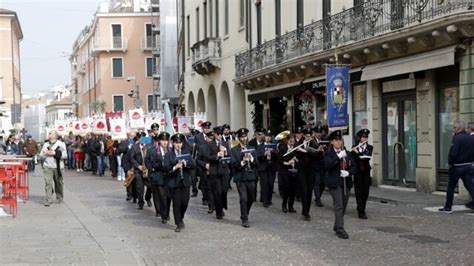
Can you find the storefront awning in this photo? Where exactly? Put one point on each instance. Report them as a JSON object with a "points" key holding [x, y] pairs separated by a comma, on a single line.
{"points": [[429, 60]]}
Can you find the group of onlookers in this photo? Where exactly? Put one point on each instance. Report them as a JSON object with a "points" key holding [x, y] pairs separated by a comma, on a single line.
{"points": [[15, 145]]}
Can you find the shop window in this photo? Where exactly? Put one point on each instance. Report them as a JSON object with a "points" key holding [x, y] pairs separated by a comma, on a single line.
{"points": [[448, 111], [359, 106]]}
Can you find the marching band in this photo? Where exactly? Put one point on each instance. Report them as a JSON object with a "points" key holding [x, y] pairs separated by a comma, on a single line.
{"points": [[174, 168]]}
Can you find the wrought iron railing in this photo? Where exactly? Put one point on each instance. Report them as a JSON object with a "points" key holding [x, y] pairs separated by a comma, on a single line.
{"points": [[368, 19], [150, 42], [207, 49]]}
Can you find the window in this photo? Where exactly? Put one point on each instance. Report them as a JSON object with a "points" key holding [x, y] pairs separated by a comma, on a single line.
{"points": [[217, 18], [204, 10], [448, 110], [277, 17], [299, 13], [188, 35], [118, 103], [150, 66], [117, 68], [116, 36], [226, 15], [359, 106], [197, 24], [149, 36], [242, 13], [149, 102], [259, 23]]}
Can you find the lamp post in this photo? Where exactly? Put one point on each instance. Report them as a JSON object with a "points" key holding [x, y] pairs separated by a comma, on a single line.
{"points": [[135, 93]]}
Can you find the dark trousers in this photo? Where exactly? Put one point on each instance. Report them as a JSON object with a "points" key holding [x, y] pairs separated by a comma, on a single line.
{"points": [[141, 183], [340, 203], [306, 184], [286, 186], [362, 182], [180, 199], [113, 164], [31, 165], [247, 198], [94, 163], [132, 190], [161, 200], [267, 180], [70, 159], [319, 185], [194, 181], [205, 188], [218, 184], [455, 173]]}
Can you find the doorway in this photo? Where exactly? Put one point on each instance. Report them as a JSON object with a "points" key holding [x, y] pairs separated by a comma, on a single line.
{"points": [[399, 138]]}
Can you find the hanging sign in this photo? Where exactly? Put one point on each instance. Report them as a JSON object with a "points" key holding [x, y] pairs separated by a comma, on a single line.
{"points": [[136, 118], [199, 118], [118, 128], [337, 91], [183, 124]]}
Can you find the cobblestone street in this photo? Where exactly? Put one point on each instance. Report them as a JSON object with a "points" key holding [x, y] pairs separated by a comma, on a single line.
{"points": [[96, 225]]}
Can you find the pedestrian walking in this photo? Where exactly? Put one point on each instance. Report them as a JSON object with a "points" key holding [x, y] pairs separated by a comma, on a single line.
{"points": [[53, 153], [460, 159], [30, 149]]}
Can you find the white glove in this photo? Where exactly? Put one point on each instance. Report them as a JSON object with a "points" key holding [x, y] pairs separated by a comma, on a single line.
{"points": [[344, 173], [342, 154]]}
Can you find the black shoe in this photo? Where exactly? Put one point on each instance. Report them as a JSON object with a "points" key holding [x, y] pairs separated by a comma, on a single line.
{"points": [[445, 210], [181, 225], [128, 198], [148, 202], [266, 205], [164, 221], [245, 224], [306, 218], [140, 207], [219, 217], [470, 205], [204, 202], [178, 229], [157, 214], [362, 216], [284, 209], [292, 210], [134, 201], [342, 234], [319, 204], [211, 210]]}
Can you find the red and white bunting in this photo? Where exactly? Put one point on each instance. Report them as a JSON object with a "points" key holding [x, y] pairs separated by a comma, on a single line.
{"points": [[136, 118]]}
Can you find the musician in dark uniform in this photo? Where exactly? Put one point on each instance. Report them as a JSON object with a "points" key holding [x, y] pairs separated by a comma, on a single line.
{"points": [[340, 168], [362, 153], [201, 139], [287, 174], [306, 155], [318, 167], [245, 166], [268, 163], [125, 151], [154, 162], [298, 134], [194, 153], [178, 178], [155, 130], [227, 137], [217, 150], [203, 164], [137, 158]]}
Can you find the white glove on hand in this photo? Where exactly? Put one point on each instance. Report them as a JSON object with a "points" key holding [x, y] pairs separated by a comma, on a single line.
{"points": [[342, 154], [344, 173]]}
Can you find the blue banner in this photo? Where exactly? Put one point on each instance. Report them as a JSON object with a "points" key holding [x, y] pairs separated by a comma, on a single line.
{"points": [[337, 92]]}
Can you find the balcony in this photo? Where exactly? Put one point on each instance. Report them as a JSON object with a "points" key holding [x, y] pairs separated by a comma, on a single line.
{"points": [[118, 44], [150, 43], [375, 28], [206, 55]]}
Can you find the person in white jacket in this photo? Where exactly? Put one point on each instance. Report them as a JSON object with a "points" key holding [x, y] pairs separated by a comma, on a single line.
{"points": [[53, 153]]}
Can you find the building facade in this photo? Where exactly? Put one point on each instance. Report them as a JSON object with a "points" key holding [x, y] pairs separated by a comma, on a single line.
{"points": [[10, 78], [35, 116], [114, 55], [411, 65], [58, 110]]}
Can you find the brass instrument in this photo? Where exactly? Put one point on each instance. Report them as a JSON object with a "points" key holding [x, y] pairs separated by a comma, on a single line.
{"points": [[282, 135], [129, 179]]}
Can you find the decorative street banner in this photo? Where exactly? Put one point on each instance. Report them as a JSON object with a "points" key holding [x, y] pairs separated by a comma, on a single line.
{"points": [[90, 122], [118, 128], [199, 118], [136, 118], [76, 127], [150, 119], [84, 126], [60, 126], [100, 125], [183, 124], [109, 115], [337, 91]]}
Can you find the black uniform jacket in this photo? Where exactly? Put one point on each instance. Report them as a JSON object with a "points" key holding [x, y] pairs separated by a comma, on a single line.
{"points": [[333, 177], [363, 163], [123, 149], [247, 172], [282, 168], [154, 162], [136, 156], [264, 163], [306, 160], [174, 178], [216, 167]]}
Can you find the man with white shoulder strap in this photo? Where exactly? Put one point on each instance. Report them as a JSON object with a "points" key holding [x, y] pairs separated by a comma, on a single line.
{"points": [[53, 153]]}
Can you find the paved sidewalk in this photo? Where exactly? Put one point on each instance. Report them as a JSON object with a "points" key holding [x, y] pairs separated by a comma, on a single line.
{"points": [[60, 234]]}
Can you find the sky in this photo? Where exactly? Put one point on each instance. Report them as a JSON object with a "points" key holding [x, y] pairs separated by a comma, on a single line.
{"points": [[49, 30]]}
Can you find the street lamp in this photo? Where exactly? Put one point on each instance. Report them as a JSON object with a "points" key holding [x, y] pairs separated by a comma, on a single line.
{"points": [[135, 93]]}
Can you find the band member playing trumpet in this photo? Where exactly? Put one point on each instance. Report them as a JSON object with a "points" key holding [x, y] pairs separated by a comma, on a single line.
{"points": [[179, 178], [154, 161], [362, 153], [340, 167], [245, 165], [218, 171], [267, 158], [287, 174]]}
